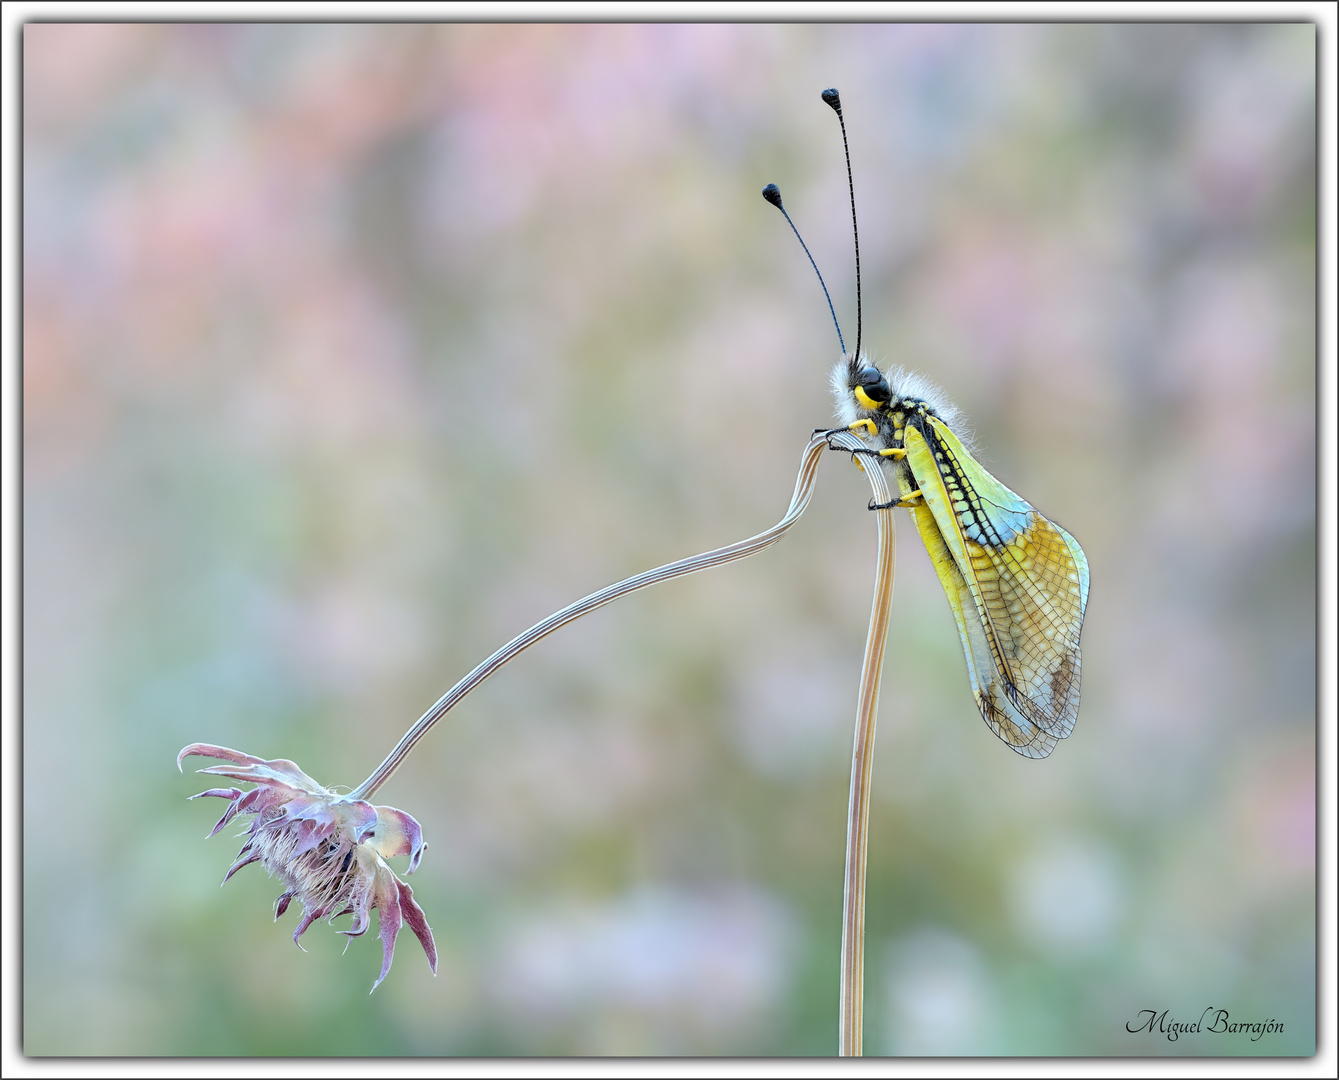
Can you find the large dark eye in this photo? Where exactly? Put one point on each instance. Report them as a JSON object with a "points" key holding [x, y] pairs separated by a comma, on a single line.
{"points": [[875, 386]]}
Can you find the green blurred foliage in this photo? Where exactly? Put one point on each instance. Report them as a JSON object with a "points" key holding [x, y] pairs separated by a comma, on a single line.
{"points": [[350, 351]]}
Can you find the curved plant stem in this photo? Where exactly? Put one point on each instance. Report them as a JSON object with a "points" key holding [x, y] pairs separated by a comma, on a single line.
{"points": [[852, 1015], [804, 487]]}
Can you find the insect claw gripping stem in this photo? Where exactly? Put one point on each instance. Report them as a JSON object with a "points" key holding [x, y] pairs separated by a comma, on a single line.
{"points": [[904, 501], [845, 450], [829, 433], [864, 452]]}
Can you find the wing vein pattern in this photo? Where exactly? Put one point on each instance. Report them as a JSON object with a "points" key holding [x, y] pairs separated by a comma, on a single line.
{"points": [[1018, 585]]}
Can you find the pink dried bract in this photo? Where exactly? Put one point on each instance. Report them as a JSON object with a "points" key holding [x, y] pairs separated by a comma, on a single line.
{"points": [[329, 850]]}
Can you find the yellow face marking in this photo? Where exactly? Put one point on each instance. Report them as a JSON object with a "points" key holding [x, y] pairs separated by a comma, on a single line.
{"points": [[865, 400], [1017, 584]]}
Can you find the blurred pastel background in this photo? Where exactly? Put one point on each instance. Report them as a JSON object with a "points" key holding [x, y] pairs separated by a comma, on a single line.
{"points": [[350, 351]]}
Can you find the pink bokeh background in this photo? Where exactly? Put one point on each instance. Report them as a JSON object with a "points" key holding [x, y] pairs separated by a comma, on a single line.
{"points": [[350, 351]]}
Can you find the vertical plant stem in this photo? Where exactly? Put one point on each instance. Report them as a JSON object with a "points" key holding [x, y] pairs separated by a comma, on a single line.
{"points": [[852, 1015]]}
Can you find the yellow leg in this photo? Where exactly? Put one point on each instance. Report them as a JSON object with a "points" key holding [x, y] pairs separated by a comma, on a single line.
{"points": [[871, 428], [897, 454]]}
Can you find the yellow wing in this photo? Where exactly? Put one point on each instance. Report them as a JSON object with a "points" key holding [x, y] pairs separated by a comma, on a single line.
{"points": [[1018, 586]]}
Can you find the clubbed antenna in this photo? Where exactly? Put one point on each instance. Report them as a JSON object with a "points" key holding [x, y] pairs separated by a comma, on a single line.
{"points": [[772, 194], [834, 99]]}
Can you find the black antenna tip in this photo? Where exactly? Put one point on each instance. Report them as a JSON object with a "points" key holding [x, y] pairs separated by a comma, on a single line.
{"points": [[834, 99], [772, 194]]}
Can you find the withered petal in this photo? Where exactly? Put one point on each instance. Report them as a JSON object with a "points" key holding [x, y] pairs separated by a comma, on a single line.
{"points": [[361, 921], [255, 769], [310, 834], [308, 917], [260, 799], [241, 862], [388, 904], [418, 922], [397, 833], [233, 794], [200, 749], [218, 792]]}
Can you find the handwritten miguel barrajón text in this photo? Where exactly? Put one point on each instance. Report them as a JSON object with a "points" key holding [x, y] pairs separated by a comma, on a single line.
{"points": [[1219, 1023]]}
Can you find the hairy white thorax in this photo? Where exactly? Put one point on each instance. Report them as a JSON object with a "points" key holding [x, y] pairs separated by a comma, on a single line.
{"points": [[903, 384]]}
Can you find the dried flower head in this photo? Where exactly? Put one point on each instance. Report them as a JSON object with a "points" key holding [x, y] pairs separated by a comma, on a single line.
{"points": [[328, 849]]}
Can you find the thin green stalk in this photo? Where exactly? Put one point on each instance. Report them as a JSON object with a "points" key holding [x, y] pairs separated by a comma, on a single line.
{"points": [[852, 1012], [804, 486]]}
